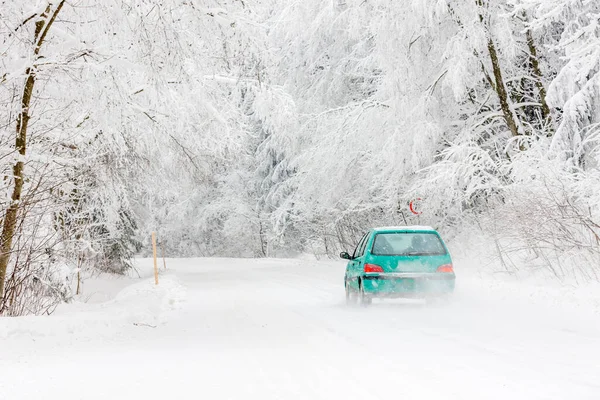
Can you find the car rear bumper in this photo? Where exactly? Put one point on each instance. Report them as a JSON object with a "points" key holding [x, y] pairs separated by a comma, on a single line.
{"points": [[408, 284]]}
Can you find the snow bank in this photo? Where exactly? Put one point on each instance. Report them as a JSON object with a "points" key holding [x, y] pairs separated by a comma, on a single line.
{"points": [[138, 305]]}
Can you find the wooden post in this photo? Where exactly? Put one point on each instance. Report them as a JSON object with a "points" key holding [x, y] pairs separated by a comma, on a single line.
{"points": [[162, 250], [154, 253], [78, 292]]}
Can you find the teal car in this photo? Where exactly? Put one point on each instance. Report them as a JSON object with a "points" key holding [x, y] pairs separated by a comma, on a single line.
{"points": [[396, 262]]}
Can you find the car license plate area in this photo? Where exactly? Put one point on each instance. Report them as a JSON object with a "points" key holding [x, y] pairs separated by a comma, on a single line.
{"points": [[405, 284], [413, 284]]}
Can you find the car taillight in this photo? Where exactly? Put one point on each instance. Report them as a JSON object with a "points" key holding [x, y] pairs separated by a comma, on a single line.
{"points": [[447, 268], [373, 268]]}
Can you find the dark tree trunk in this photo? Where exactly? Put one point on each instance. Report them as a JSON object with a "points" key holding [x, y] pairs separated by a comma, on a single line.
{"points": [[42, 26], [537, 72], [499, 86]]}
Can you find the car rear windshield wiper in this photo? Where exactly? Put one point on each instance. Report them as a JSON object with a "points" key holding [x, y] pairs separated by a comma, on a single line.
{"points": [[421, 253]]}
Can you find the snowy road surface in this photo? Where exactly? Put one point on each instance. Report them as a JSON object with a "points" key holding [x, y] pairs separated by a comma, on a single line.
{"points": [[279, 329]]}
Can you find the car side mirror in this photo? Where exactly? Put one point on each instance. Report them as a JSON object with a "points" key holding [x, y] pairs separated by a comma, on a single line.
{"points": [[345, 255]]}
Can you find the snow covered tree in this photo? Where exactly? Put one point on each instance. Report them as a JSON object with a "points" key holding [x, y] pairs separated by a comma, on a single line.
{"points": [[259, 128]]}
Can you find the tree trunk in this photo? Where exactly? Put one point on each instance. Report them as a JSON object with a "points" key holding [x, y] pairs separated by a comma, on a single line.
{"points": [[509, 117], [537, 72], [499, 86], [42, 26]]}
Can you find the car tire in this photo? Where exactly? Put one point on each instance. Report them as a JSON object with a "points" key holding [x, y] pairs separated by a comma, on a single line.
{"points": [[363, 299], [351, 296]]}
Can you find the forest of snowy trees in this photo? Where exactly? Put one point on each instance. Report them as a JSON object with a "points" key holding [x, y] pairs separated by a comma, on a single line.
{"points": [[256, 128]]}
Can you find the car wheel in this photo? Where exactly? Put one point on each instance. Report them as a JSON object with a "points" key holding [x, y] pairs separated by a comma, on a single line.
{"points": [[363, 298], [350, 294]]}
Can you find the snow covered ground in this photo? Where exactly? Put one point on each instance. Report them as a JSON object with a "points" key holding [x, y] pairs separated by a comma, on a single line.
{"points": [[279, 329]]}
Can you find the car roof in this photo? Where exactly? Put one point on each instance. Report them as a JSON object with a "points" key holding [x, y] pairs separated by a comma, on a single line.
{"points": [[414, 228]]}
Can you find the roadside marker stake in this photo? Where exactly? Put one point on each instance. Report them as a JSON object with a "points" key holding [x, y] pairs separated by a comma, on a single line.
{"points": [[154, 253]]}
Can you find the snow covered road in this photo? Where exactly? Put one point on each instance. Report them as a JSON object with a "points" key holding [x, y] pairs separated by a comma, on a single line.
{"points": [[279, 329]]}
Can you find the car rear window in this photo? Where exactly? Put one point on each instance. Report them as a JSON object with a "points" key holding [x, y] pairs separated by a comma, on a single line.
{"points": [[407, 244]]}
